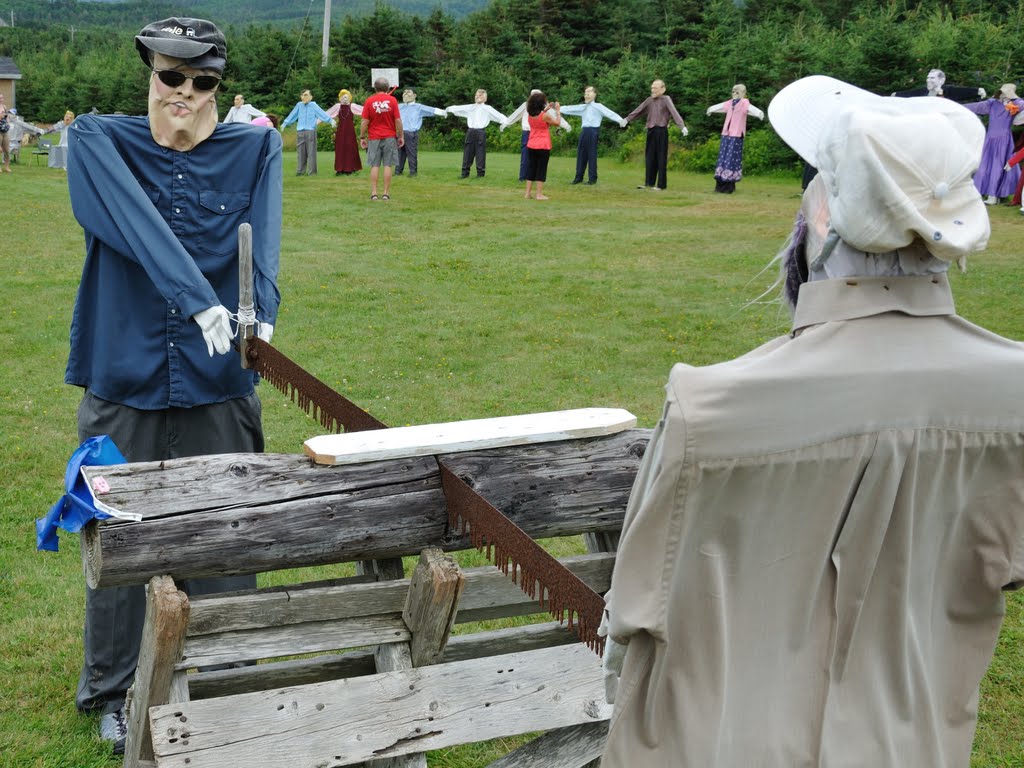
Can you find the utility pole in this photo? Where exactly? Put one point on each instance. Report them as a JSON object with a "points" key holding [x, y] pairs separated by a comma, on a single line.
{"points": [[327, 32]]}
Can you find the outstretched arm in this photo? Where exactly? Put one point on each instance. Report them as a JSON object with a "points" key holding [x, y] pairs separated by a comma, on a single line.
{"points": [[515, 117]]}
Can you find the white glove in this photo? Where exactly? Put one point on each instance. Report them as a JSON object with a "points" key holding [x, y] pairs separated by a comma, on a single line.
{"points": [[611, 661], [265, 331], [709, 110], [1006, 167], [686, 131], [623, 123], [981, 93], [215, 323]]}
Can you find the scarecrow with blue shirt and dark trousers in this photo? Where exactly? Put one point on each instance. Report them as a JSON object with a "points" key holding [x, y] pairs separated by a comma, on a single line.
{"points": [[160, 198], [586, 150]]}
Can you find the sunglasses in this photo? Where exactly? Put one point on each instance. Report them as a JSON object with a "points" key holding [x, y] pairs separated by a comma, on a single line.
{"points": [[172, 79]]}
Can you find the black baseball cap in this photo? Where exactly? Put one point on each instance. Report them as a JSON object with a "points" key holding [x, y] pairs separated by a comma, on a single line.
{"points": [[198, 41]]}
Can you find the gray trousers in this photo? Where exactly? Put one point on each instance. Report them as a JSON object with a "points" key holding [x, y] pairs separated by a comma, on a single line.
{"points": [[114, 615], [409, 152], [305, 148]]}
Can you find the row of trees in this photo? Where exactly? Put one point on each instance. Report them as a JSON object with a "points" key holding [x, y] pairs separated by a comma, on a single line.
{"points": [[699, 47]]}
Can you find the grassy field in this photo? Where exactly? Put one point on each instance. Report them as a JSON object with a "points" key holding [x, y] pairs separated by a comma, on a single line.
{"points": [[456, 299]]}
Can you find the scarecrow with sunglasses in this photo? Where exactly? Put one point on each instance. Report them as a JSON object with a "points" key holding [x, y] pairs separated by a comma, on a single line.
{"points": [[160, 198]]}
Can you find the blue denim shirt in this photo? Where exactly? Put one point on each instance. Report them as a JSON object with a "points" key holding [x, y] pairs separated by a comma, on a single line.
{"points": [[161, 239], [306, 113]]}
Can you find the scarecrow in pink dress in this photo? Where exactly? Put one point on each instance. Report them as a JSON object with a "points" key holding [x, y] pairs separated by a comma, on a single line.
{"points": [[1006, 109], [729, 169]]}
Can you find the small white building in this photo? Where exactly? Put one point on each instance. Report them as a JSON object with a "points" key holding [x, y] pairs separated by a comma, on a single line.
{"points": [[9, 76]]}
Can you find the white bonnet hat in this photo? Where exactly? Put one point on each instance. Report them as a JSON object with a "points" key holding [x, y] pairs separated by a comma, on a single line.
{"points": [[895, 169]]}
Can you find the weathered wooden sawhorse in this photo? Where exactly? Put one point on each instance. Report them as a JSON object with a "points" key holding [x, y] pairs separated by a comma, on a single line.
{"points": [[359, 669]]}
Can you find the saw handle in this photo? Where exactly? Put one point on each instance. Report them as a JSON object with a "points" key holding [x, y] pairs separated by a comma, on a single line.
{"points": [[246, 308]]}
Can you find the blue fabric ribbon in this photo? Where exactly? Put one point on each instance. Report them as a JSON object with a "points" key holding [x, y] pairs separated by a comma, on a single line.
{"points": [[76, 508]]}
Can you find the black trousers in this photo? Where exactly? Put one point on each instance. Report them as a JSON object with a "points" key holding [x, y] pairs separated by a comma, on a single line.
{"points": [[656, 157], [537, 164], [475, 148], [114, 615], [586, 154]]}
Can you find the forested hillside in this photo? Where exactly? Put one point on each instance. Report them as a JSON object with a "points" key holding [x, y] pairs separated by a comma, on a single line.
{"points": [[699, 47], [33, 13]]}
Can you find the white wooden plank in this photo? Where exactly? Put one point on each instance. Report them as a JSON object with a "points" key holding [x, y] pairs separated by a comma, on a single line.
{"points": [[469, 435], [385, 715]]}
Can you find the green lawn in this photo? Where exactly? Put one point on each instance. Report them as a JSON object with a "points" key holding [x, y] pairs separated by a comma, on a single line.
{"points": [[456, 299]]}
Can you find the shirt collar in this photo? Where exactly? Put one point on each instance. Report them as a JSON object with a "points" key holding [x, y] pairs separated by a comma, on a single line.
{"points": [[854, 297]]}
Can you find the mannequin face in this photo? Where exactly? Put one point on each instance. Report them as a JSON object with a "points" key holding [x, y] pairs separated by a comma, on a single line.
{"points": [[183, 108], [409, 97], [306, 97], [589, 94], [346, 99], [935, 80], [481, 96], [739, 91], [239, 100], [657, 88]]}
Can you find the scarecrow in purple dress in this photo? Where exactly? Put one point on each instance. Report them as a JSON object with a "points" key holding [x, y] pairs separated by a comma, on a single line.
{"points": [[729, 169], [1003, 111]]}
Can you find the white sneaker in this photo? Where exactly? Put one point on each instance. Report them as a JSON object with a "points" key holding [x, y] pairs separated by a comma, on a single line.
{"points": [[991, 200], [114, 728]]}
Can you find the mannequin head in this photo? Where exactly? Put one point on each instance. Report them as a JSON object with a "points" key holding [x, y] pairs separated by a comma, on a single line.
{"points": [[344, 97], [1007, 92], [739, 91], [481, 96], [935, 80], [408, 96], [589, 94], [658, 88], [239, 100], [306, 97]]}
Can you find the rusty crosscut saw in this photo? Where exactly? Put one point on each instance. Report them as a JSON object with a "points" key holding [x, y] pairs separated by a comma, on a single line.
{"points": [[540, 575]]}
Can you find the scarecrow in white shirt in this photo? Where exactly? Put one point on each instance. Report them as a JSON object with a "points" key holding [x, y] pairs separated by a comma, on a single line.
{"points": [[241, 112], [478, 115]]}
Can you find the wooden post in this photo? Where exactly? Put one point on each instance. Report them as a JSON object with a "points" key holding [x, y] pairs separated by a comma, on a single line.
{"points": [[163, 638], [432, 604], [391, 657], [245, 289]]}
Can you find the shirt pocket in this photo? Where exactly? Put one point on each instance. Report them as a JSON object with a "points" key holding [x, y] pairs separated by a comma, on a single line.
{"points": [[220, 213], [153, 193]]}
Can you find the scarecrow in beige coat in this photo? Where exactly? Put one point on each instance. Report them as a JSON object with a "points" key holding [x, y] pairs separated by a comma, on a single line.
{"points": [[813, 560]]}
